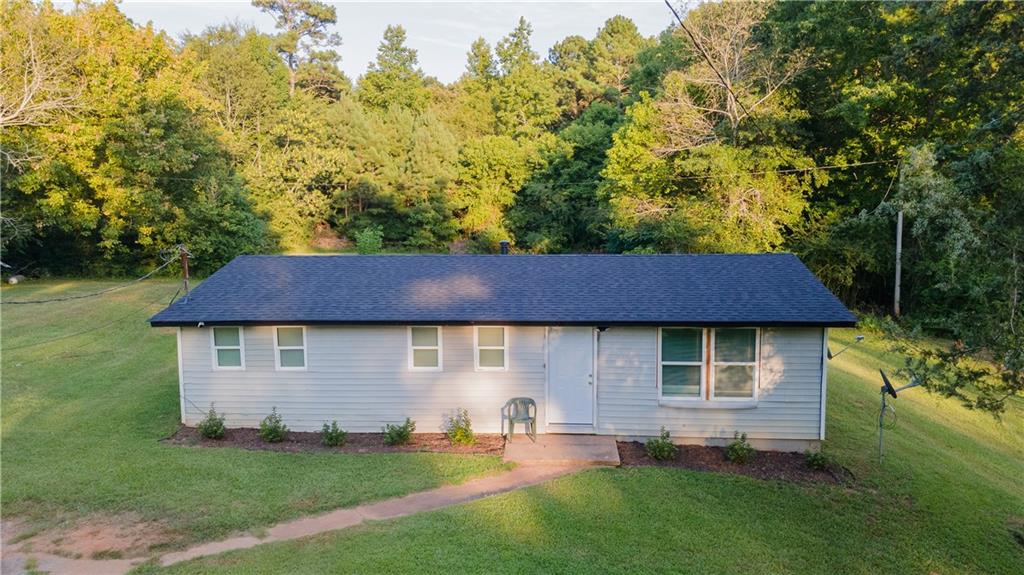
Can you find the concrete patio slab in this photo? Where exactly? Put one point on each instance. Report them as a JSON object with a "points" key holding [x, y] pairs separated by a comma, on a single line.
{"points": [[563, 449]]}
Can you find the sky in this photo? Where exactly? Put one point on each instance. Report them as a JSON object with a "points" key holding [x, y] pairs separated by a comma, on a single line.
{"points": [[440, 31]]}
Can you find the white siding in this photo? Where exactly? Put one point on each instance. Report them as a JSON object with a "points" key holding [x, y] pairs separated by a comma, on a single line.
{"points": [[788, 405], [360, 377]]}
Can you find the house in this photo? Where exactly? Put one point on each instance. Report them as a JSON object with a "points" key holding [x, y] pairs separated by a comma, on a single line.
{"points": [[622, 345]]}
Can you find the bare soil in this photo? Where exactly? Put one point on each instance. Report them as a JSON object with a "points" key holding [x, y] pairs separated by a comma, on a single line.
{"points": [[301, 441], [93, 537], [762, 465]]}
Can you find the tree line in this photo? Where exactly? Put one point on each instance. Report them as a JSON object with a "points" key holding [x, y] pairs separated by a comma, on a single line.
{"points": [[795, 126]]}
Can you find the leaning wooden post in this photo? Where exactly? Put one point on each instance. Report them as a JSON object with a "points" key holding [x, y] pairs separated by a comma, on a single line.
{"points": [[183, 251]]}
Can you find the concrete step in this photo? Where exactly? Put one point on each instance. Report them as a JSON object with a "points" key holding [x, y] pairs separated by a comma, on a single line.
{"points": [[563, 449]]}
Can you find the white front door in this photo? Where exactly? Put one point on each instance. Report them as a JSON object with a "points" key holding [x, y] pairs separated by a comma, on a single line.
{"points": [[571, 377]]}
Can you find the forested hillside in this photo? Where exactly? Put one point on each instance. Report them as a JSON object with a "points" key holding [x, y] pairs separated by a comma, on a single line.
{"points": [[797, 126]]}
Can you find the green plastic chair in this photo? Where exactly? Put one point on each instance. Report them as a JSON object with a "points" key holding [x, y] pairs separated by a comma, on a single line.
{"points": [[520, 410]]}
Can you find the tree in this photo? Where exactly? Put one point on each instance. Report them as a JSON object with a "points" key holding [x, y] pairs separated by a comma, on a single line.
{"points": [[615, 49], [304, 39], [394, 79], [690, 170], [138, 168], [37, 80], [525, 100]]}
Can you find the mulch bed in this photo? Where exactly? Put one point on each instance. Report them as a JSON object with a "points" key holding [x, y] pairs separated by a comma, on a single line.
{"points": [[300, 441], [762, 465]]}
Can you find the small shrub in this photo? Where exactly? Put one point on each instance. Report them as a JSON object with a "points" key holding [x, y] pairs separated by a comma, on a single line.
{"points": [[212, 426], [662, 448], [272, 428], [819, 461], [739, 451], [460, 428], [332, 435], [370, 240], [399, 434]]}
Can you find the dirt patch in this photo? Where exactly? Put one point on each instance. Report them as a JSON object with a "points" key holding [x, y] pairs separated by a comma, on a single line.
{"points": [[300, 441], [97, 537], [763, 464]]}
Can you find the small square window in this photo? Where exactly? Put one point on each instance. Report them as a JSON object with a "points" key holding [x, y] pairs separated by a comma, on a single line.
{"points": [[491, 349], [425, 348], [735, 363], [290, 347], [228, 348]]}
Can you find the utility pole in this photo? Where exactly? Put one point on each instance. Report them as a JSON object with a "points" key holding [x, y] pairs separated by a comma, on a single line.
{"points": [[899, 256], [183, 251]]}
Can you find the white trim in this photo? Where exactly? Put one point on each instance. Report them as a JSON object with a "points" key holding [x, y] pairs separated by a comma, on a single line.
{"points": [[824, 380], [756, 364], [181, 379], [547, 374], [702, 364], [240, 347], [277, 349], [593, 379], [439, 347], [477, 348]]}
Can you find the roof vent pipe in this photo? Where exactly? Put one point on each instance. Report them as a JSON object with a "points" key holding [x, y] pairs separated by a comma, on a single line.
{"points": [[504, 247]]}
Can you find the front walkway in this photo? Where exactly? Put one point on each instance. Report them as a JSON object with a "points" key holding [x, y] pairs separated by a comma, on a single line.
{"points": [[563, 449], [524, 476]]}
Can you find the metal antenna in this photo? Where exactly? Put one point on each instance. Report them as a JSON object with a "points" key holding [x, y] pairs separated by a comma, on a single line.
{"points": [[886, 390], [856, 340]]}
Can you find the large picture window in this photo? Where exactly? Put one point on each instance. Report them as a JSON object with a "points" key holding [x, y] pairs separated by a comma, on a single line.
{"points": [[290, 348], [425, 348], [228, 348], [491, 348], [735, 363], [704, 364], [682, 363]]}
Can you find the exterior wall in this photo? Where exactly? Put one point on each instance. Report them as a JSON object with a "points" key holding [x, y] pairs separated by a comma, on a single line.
{"points": [[789, 399], [360, 377]]}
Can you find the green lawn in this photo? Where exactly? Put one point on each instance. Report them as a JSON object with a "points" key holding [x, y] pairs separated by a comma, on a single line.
{"points": [[83, 416], [943, 502]]}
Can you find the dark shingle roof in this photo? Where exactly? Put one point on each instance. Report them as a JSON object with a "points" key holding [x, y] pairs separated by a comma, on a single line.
{"points": [[707, 289]]}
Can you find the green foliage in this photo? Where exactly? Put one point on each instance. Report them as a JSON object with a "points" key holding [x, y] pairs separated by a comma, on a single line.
{"points": [[399, 434], [212, 426], [739, 451], [394, 78], [662, 448], [272, 428], [459, 428], [819, 460], [369, 240], [332, 435]]}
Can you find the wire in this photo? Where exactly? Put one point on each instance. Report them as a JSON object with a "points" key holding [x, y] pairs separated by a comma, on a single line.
{"points": [[88, 295], [707, 58], [88, 330]]}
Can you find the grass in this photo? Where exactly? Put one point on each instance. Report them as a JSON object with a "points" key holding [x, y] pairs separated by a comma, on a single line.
{"points": [[83, 415], [944, 501]]}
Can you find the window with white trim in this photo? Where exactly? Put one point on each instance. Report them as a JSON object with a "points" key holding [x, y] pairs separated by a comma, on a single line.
{"points": [[290, 347], [682, 368], [734, 371], [490, 348], [228, 348], [425, 348]]}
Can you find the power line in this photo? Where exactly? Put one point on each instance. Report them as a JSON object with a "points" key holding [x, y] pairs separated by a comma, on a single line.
{"points": [[94, 294], [707, 58], [87, 330]]}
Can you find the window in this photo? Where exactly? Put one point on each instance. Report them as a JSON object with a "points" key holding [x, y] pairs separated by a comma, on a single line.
{"points": [[491, 348], [425, 352], [735, 363], [682, 363], [228, 348], [290, 347]]}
